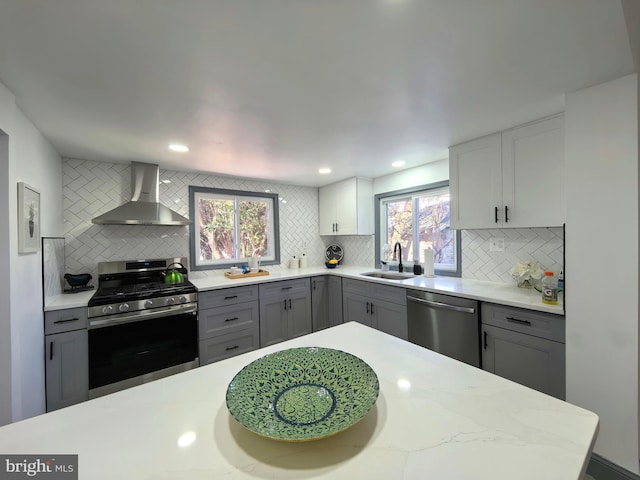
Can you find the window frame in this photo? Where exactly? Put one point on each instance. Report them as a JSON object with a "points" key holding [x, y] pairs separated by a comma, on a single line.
{"points": [[410, 192], [237, 195]]}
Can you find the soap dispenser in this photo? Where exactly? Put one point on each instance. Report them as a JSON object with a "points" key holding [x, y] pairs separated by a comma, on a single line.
{"points": [[417, 269]]}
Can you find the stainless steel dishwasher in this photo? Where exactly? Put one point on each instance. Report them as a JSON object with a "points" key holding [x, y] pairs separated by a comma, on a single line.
{"points": [[445, 324]]}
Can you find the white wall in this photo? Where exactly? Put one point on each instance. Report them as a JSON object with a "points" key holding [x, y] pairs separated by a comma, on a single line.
{"points": [[601, 301], [32, 160], [413, 177]]}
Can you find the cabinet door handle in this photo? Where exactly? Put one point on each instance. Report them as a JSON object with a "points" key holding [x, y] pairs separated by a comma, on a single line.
{"points": [[231, 319], [232, 348], [367, 307], [506, 214], [518, 321], [485, 340], [495, 214], [336, 226], [372, 308], [333, 227], [285, 303], [67, 320], [314, 284], [230, 297], [289, 304], [50, 350]]}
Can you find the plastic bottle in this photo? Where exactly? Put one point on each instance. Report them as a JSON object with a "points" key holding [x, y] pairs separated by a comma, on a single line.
{"points": [[549, 289]]}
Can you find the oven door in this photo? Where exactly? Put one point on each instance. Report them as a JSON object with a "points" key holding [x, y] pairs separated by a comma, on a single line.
{"points": [[122, 355]]}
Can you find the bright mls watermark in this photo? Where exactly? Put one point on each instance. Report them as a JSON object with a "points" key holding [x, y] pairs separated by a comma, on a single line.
{"points": [[51, 467]]}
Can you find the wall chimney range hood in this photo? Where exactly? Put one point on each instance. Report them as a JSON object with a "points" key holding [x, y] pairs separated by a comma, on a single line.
{"points": [[145, 207]]}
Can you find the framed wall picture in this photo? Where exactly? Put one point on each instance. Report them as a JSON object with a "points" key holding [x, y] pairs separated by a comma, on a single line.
{"points": [[28, 219]]}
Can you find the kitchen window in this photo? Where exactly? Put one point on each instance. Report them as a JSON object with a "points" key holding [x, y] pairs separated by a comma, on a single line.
{"points": [[418, 218], [230, 225]]}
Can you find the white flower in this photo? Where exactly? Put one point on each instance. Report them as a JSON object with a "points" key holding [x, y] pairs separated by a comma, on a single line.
{"points": [[531, 270]]}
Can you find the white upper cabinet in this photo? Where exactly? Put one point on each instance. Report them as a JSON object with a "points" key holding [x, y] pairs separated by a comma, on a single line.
{"points": [[475, 183], [346, 208], [511, 179]]}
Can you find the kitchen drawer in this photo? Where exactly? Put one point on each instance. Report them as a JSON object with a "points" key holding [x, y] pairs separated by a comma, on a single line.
{"points": [[359, 287], [376, 291], [285, 287], [227, 296], [58, 321], [226, 346], [228, 319], [538, 324], [387, 293]]}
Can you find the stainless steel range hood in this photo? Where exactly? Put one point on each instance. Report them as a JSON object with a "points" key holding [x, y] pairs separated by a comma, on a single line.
{"points": [[145, 207]]}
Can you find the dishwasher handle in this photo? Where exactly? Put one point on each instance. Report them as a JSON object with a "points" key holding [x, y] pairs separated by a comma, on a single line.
{"points": [[445, 306]]}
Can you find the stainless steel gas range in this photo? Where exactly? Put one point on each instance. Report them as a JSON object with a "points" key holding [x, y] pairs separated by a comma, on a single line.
{"points": [[141, 328]]}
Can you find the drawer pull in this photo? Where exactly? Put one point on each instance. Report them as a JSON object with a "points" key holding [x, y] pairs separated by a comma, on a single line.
{"points": [[230, 297], [231, 319], [232, 348], [518, 321], [67, 320], [287, 288]]}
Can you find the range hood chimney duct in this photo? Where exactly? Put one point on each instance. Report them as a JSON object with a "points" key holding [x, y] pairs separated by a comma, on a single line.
{"points": [[145, 207]]}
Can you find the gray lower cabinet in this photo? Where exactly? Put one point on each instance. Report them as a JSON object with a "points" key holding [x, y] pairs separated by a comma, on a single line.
{"points": [[524, 346], [326, 301], [335, 300], [320, 302], [379, 306], [228, 323], [67, 357], [285, 310]]}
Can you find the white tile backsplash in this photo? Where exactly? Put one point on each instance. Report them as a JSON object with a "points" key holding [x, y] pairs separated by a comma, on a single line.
{"points": [[92, 188], [544, 245], [53, 267]]}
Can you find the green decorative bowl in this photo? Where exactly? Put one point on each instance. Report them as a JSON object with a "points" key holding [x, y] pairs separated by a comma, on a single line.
{"points": [[302, 394]]}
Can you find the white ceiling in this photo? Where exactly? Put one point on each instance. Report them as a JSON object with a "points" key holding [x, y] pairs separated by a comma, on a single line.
{"points": [[276, 89]]}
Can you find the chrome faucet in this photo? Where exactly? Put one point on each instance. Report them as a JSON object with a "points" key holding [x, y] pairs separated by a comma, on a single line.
{"points": [[397, 246]]}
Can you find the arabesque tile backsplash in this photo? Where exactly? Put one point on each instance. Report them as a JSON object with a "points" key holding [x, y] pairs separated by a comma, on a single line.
{"points": [[92, 188]]}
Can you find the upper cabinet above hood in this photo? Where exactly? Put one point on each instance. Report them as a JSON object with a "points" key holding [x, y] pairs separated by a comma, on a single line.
{"points": [[145, 207]]}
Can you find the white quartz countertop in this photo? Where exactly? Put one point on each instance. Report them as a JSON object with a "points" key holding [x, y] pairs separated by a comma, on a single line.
{"points": [[435, 418], [493, 292]]}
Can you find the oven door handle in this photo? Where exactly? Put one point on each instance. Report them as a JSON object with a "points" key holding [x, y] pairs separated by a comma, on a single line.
{"points": [[143, 315]]}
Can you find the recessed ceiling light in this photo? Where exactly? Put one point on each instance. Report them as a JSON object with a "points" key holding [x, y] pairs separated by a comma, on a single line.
{"points": [[398, 163], [176, 147], [324, 171]]}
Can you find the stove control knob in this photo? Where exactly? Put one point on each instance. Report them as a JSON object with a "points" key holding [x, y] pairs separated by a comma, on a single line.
{"points": [[148, 304], [124, 307], [171, 301], [183, 299], [108, 309]]}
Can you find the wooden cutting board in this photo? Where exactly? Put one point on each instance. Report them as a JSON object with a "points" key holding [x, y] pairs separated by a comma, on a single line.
{"points": [[259, 273]]}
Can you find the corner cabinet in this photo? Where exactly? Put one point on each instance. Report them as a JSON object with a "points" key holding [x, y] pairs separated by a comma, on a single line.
{"points": [[67, 357], [326, 301], [346, 208], [511, 179], [378, 306], [524, 346], [285, 310], [228, 323]]}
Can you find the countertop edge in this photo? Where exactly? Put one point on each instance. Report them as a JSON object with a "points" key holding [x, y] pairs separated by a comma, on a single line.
{"points": [[480, 290]]}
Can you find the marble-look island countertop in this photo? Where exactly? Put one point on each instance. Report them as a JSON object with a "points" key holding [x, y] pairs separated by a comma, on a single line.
{"points": [[434, 418]]}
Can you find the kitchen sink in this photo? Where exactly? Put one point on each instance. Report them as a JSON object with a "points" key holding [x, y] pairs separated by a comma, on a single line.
{"points": [[388, 275]]}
